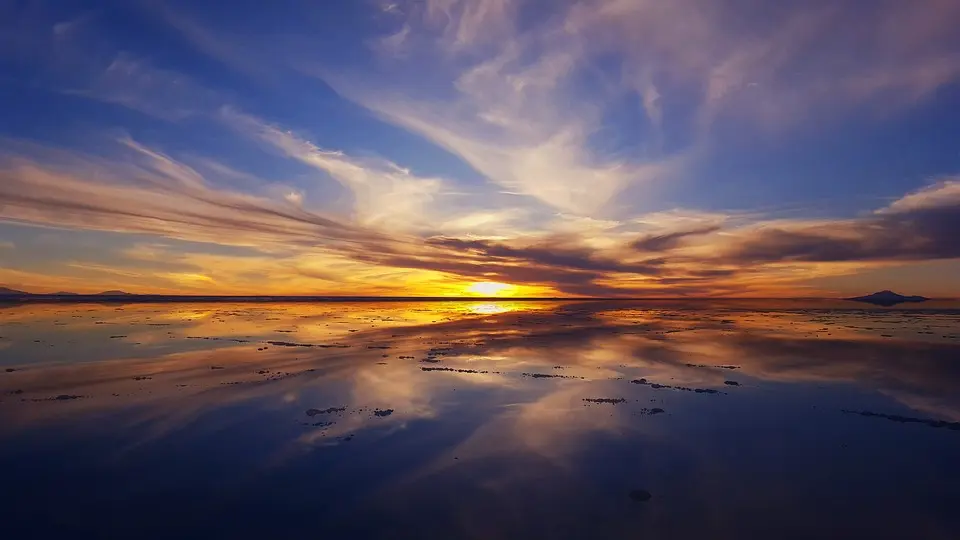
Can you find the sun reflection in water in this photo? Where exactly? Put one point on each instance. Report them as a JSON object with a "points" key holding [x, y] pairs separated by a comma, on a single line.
{"points": [[490, 308]]}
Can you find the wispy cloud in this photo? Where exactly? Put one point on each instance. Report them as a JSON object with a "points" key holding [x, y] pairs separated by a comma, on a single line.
{"points": [[514, 121], [151, 193], [73, 56], [526, 101], [385, 194]]}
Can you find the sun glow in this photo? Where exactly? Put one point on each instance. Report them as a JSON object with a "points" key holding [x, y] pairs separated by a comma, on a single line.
{"points": [[490, 288]]}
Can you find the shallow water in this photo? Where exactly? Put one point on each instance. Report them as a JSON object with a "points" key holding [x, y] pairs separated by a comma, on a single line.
{"points": [[446, 420]]}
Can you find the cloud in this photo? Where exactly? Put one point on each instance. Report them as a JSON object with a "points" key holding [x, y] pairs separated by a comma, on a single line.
{"points": [[385, 194], [134, 83], [142, 190], [526, 103], [920, 226], [74, 56], [509, 107], [778, 64], [154, 194], [671, 240], [463, 23], [547, 254]]}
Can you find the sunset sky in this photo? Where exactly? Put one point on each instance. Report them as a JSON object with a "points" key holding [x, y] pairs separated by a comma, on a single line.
{"points": [[481, 147]]}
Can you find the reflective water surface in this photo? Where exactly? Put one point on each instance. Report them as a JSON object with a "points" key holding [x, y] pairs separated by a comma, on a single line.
{"points": [[446, 420]]}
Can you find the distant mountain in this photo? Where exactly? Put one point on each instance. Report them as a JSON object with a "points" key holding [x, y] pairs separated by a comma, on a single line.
{"points": [[887, 298], [114, 293], [64, 293], [10, 292]]}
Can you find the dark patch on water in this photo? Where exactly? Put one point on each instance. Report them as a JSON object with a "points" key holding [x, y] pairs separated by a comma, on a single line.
{"points": [[612, 401], [953, 426], [314, 412]]}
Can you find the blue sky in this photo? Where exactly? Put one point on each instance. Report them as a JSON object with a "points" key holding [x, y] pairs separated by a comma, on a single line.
{"points": [[593, 147]]}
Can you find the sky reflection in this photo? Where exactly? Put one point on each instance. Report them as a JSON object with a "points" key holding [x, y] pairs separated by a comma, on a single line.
{"points": [[504, 419]]}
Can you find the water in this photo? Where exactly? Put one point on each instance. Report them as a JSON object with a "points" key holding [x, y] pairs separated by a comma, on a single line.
{"points": [[803, 419]]}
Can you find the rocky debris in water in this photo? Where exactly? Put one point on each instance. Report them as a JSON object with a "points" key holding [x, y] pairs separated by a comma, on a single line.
{"points": [[551, 376], [382, 412], [407, 357], [731, 383], [651, 412], [456, 370], [117, 337], [142, 378], [263, 372], [382, 347], [61, 397], [640, 495], [681, 388], [953, 426], [709, 366], [287, 344], [217, 367], [612, 401], [314, 412], [10, 370]]}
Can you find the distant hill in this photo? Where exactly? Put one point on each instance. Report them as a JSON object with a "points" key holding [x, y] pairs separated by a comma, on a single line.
{"points": [[114, 293], [64, 293], [11, 292], [887, 298]]}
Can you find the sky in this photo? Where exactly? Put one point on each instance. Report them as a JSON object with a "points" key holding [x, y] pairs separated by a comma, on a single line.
{"points": [[646, 148]]}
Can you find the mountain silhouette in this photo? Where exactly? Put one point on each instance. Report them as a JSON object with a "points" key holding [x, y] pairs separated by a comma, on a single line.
{"points": [[114, 293], [10, 292], [887, 298]]}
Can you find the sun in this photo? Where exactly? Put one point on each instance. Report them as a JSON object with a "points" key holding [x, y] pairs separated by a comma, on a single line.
{"points": [[490, 288]]}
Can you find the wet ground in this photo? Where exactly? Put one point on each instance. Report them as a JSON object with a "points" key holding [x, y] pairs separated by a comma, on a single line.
{"points": [[577, 420]]}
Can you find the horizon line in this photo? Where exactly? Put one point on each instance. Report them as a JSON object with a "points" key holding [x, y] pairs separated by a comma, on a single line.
{"points": [[147, 298]]}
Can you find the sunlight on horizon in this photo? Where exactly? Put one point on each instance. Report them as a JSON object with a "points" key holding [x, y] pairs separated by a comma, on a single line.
{"points": [[491, 288]]}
